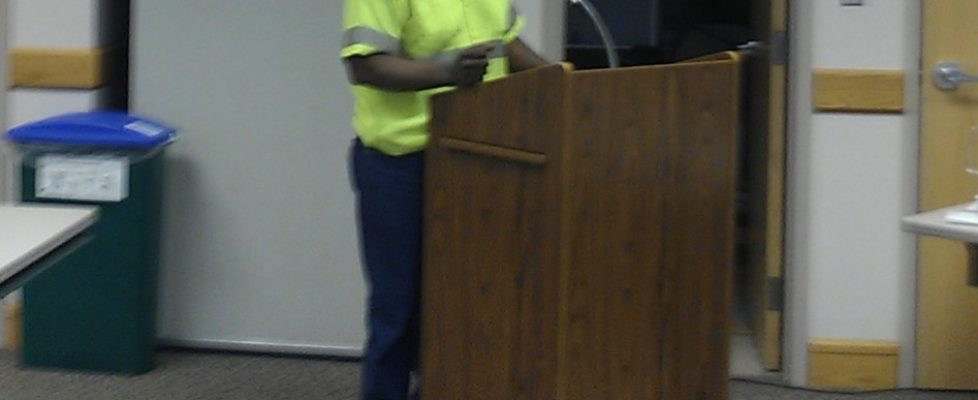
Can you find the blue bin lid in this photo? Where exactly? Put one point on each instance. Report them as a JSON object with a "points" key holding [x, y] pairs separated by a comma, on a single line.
{"points": [[100, 129]]}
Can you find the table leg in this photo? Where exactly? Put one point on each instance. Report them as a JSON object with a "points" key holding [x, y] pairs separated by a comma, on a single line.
{"points": [[972, 264]]}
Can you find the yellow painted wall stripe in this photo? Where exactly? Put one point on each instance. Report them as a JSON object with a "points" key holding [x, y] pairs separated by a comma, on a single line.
{"points": [[838, 90], [58, 68]]}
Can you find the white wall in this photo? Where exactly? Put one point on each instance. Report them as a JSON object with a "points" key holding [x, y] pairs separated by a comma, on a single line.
{"points": [[545, 26], [55, 24], [851, 178], [260, 248], [26, 105], [259, 240]]}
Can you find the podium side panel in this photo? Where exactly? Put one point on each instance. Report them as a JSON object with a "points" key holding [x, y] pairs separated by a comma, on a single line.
{"points": [[652, 195], [700, 221]]}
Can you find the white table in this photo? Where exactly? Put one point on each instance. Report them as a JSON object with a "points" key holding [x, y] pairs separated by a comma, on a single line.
{"points": [[932, 223], [32, 234]]}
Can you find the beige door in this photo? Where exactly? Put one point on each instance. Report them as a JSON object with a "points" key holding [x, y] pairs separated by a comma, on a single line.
{"points": [[947, 329], [765, 144]]}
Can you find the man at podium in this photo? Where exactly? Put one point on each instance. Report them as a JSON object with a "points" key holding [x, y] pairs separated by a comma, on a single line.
{"points": [[399, 53]]}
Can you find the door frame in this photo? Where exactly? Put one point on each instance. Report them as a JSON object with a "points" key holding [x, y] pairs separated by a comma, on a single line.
{"points": [[765, 160], [795, 318]]}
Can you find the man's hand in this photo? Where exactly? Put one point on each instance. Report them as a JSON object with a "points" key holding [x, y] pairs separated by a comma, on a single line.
{"points": [[469, 67]]}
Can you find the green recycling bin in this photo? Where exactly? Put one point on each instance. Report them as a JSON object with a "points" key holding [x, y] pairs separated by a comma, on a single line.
{"points": [[96, 309]]}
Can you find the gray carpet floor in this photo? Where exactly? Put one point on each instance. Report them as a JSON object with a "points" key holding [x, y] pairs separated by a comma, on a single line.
{"points": [[186, 376]]}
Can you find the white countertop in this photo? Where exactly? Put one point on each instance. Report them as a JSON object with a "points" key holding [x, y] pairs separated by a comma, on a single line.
{"points": [[29, 232], [933, 223]]}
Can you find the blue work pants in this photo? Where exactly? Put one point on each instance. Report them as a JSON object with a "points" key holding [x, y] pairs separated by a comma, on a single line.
{"points": [[389, 199]]}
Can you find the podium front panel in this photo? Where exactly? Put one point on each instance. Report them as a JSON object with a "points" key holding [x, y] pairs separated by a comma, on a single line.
{"points": [[491, 275]]}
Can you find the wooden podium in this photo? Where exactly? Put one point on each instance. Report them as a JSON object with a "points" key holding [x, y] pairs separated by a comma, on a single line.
{"points": [[580, 235]]}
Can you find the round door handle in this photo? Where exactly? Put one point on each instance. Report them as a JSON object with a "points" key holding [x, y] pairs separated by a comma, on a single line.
{"points": [[949, 76]]}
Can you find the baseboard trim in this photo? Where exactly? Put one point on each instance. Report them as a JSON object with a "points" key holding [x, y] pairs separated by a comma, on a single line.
{"points": [[857, 365], [263, 347], [58, 68]]}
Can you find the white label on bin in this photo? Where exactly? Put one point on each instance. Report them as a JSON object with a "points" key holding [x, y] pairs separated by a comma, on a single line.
{"points": [[145, 128], [85, 178]]}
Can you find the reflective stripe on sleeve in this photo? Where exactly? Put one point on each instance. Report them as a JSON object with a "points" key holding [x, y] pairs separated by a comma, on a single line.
{"points": [[378, 40]]}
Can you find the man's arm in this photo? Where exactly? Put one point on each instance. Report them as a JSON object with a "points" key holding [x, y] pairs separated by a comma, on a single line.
{"points": [[522, 58], [394, 73], [389, 72]]}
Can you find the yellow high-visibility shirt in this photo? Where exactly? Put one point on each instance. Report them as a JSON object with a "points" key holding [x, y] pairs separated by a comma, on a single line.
{"points": [[396, 123]]}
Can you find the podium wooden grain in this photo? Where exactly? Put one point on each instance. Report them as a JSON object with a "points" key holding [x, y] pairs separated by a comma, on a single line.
{"points": [[580, 235]]}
